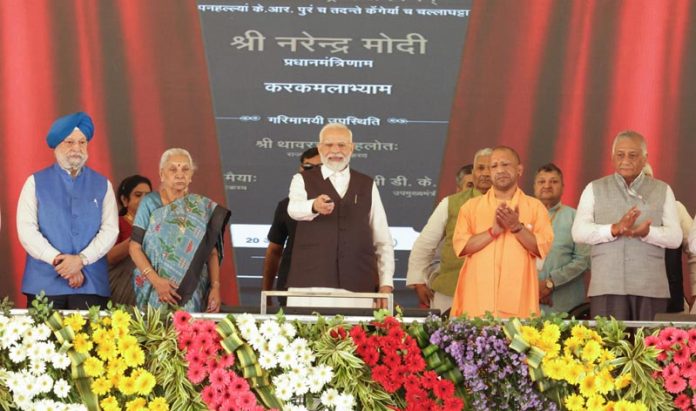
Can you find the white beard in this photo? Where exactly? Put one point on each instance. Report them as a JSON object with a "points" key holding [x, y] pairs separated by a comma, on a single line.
{"points": [[335, 165]]}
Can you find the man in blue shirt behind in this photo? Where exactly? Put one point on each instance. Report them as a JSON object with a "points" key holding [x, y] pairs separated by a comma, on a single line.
{"points": [[561, 280]]}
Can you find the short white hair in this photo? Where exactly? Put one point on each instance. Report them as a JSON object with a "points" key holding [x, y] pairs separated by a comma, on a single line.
{"points": [[175, 152], [632, 135], [337, 126], [482, 152]]}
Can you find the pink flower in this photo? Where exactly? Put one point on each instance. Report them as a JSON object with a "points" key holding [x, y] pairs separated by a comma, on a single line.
{"points": [[227, 360], [209, 328], [238, 384], [682, 355], [675, 384], [652, 341], [227, 405], [246, 400], [185, 341], [682, 401], [688, 369], [194, 357], [208, 395], [196, 374], [219, 379], [692, 336], [181, 320], [670, 370]]}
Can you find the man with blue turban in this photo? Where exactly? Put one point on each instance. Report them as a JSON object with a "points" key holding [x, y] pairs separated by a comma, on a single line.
{"points": [[67, 221]]}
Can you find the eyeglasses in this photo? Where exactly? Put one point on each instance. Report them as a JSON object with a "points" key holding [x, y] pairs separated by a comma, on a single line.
{"points": [[307, 166]]}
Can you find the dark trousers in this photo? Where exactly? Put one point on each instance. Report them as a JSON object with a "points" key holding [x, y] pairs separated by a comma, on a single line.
{"points": [[627, 307], [72, 301]]}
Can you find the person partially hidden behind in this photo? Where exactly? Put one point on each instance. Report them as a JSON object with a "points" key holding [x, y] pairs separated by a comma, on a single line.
{"points": [[67, 222], [502, 234], [177, 241], [342, 239], [282, 235], [130, 192]]}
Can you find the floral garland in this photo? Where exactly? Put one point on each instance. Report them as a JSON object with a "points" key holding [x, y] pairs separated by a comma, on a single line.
{"points": [[113, 359], [495, 376], [298, 381], [678, 364], [210, 369], [34, 370], [396, 363]]}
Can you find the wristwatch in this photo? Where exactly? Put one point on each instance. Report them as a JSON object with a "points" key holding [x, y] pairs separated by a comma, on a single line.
{"points": [[549, 284]]}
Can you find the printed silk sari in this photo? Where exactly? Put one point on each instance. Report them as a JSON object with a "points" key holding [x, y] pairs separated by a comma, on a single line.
{"points": [[177, 240]]}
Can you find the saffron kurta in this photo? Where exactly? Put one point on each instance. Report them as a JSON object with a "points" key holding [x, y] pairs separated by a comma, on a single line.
{"points": [[501, 277]]}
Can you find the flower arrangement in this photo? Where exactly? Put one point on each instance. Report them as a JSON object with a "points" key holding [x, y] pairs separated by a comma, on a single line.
{"points": [[35, 371], [210, 368], [677, 361], [112, 358], [397, 364], [297, 379], [495, 377]]}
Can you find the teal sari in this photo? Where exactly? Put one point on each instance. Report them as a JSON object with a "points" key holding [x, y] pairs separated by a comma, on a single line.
{"points": [[177, 240]]}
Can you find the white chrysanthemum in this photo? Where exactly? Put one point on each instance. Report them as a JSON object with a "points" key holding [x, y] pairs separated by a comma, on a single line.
{"points": [[18, 325], [299, 373], [315, 383], [7, 340], [22, 400], [47, 350], [60, 361], [296, 408], [324, 372], [61, 388], [48, 405], [277, 344], [42, 332], [345, 402], [287, 358], [288, 331], [3, 321], [44, 383], [30, 335], [305, 356], [267, 361], [299, 386], [244, 320], [30, 386], [269, 329], [18, 354], [283, 391], [34, 351], [37, 367], [299, 344], [257, 341], [76, 407], [329, 397], [13, 380]]}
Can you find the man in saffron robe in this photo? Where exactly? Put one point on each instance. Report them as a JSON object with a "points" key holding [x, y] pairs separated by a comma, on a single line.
{"points": [[501, 233]]}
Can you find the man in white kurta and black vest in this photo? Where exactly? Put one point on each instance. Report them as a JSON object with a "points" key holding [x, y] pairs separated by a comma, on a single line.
{"points": [[342, 239], [67, 221], [629, 219]]}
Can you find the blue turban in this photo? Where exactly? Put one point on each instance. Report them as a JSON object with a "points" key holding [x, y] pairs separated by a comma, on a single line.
{"points": [[64, 126]]}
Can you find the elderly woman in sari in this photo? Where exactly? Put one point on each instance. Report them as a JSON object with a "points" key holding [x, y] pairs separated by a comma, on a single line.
{"points": [[177, 241]]}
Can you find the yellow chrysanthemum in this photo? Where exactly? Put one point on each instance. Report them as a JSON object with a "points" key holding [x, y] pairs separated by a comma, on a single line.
{"points": [[75, 321], [591, 351], [116, 366], [126, 342], [580, 332], [606, 355], [127, 385], [138, 404], [100, 335], [573, 344], [107, 350], [553, 368], [573, 372], [574, 402], [94, 367], [106, 321], [550, 332], [158, 404], [144, 383], [101, 386], [81, 343], [605, 381], [588, 386], [623, 405], [120, 319], [134, 357], [622, 381], [109, 404], [609, 406], [595, 403], [530, 334]]}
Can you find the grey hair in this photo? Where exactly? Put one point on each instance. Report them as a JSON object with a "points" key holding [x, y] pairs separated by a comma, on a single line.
{"points": [[483, 152], [338, 126], [633, 135], [175, 152], [648, 170]]}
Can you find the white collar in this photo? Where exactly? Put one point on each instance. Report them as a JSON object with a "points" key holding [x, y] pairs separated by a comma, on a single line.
{"points": [[327, 172]]}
